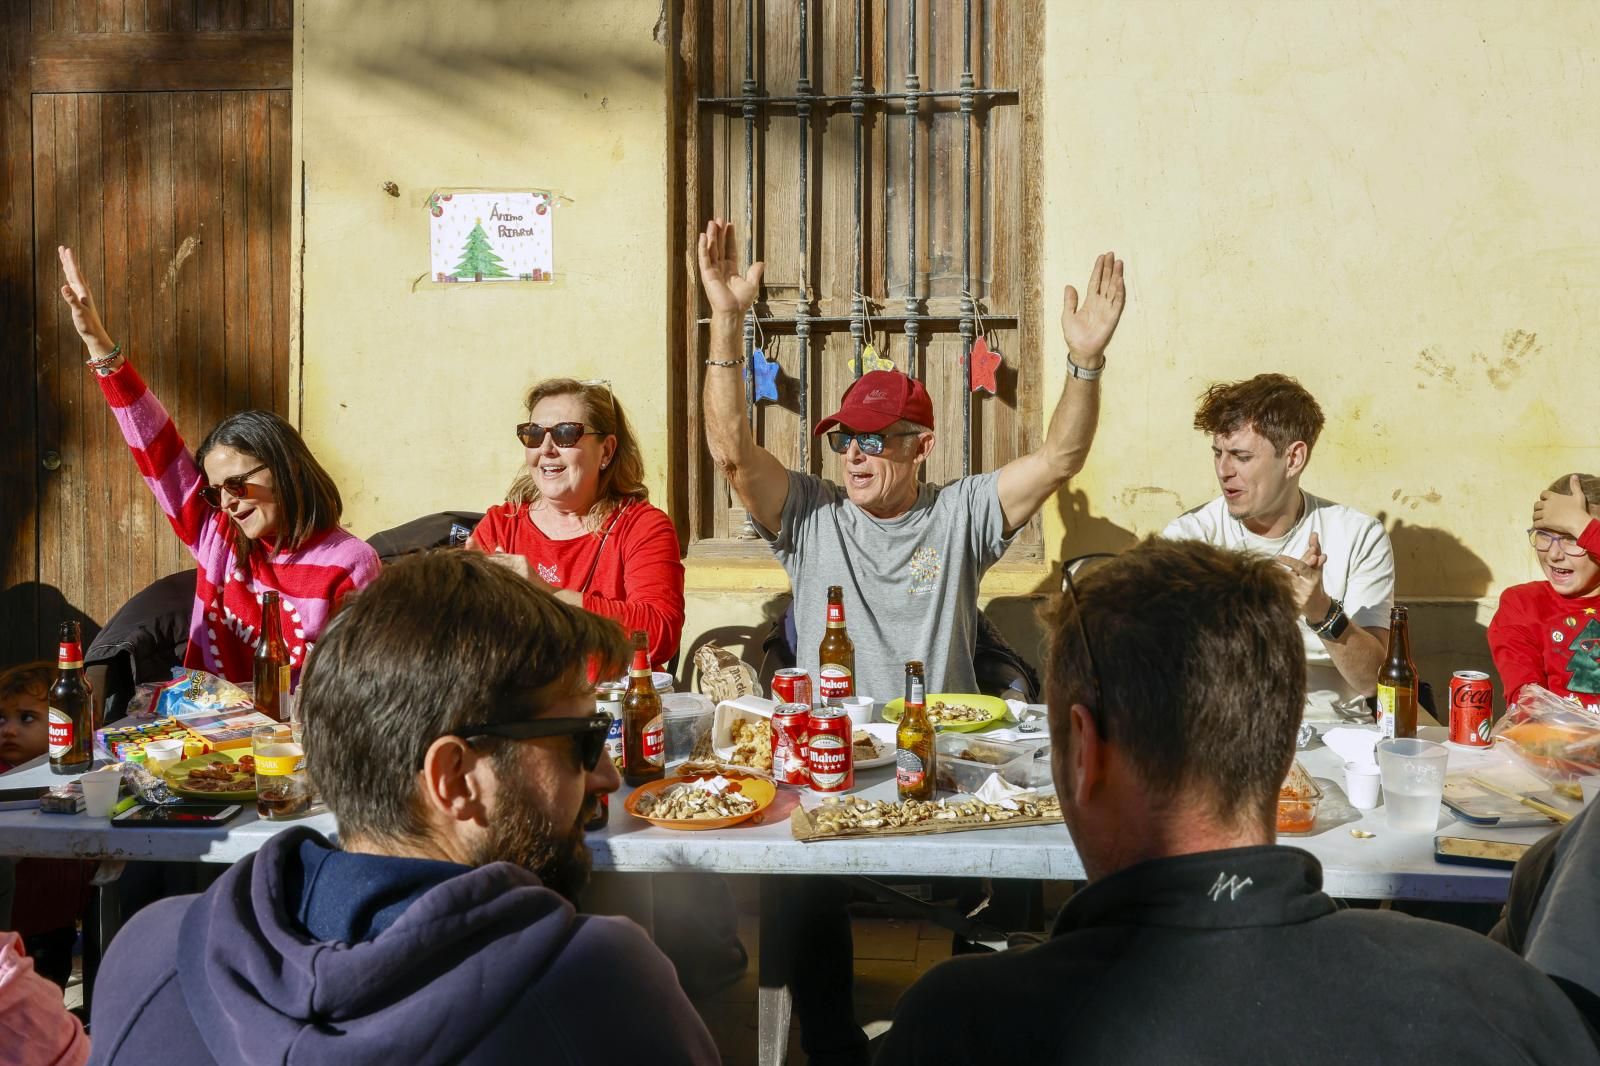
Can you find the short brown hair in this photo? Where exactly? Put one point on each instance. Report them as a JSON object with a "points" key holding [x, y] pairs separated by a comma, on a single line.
{"points": [[623, 479], [1202, 673], [29, 679], [441, 639], [1276, 406], [1588, 483]]}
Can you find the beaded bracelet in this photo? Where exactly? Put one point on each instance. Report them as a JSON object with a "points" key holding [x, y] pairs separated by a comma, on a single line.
{"points": [[724, 362], [100, 365]]}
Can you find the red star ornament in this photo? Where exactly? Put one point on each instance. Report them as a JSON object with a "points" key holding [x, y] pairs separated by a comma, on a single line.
{"points": [[981, 365]]}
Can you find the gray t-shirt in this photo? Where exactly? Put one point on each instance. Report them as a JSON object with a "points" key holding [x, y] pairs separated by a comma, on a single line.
{"points": [[910, 583]]}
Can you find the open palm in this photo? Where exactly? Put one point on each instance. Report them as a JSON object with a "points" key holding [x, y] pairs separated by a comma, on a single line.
{"points": [[85, 319], [726, 291], [1087, 328]]}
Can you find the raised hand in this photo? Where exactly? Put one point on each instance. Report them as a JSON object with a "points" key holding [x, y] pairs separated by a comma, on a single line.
{"points": [[1305, 574], [726, 291], [1087, 329], [85, 319], [1563, 513]]}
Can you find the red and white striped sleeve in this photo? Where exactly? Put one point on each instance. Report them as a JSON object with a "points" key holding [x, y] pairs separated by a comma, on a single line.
{"points": [[160, 453]]}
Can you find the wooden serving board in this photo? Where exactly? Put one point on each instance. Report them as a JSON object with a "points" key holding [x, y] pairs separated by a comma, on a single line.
{"points": [[804, 829]]}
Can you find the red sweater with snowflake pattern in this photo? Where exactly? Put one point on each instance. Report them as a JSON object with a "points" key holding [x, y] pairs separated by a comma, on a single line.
{"points": [[1541, 637]]}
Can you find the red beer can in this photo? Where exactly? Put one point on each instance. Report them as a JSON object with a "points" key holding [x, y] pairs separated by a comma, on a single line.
{"points": [[791, 724], [1471, 708], [828, 751], [791, 685]]}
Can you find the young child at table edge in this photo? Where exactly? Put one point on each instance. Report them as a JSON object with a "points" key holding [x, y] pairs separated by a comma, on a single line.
{"points": [[1548, 632]]}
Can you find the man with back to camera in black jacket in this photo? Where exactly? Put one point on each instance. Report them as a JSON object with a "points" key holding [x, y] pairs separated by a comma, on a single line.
{"points": [[450, 726], [1176, 682]]}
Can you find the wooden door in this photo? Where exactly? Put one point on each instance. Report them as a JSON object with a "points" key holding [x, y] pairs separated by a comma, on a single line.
{"points": [[154, 138]]}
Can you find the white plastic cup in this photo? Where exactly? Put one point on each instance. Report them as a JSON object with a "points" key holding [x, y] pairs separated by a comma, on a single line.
{"points": [[1590, 786], [1362, 784], [160, 754], [100, 789], [859, 708], [1413, 782]]}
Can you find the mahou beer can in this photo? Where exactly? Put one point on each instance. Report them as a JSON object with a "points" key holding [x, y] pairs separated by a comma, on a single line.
{"points": [[828, 750], [792, 685], [791, 726], [1471, 708]]}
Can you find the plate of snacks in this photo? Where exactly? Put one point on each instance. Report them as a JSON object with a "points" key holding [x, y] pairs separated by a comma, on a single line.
{"points": [[872, 745], [216, 776], [706, 802], [954, 712]]}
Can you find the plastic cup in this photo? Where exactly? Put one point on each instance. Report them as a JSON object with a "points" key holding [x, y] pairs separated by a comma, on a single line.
{"points": [[160, 754], [1361, 784], [1413, 782], [859, 708], [100, 788], [1590, 786]]}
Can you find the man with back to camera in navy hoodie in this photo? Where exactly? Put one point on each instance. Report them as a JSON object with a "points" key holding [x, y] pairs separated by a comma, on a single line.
{"points": [[450, 727]]}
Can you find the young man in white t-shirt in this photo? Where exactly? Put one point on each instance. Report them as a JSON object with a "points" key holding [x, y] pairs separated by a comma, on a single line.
{"points": [[1262, 432]]}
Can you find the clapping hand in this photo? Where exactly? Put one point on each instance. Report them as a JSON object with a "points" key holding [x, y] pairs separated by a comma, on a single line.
{"points": [[1087, 328], [726, 291], [1305, 574], [1563, 513], [85, 319]]}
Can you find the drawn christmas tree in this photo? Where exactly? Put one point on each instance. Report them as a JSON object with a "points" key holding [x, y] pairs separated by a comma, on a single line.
{"points": [[1585, 660], [478, 260]]}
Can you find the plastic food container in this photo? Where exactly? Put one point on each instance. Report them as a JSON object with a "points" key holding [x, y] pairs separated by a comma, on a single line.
{"points": [[1298, 801], [965, 761], [686, 717]]}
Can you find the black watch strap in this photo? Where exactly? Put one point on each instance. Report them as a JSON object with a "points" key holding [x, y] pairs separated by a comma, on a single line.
{"points": [[1334, 623]]}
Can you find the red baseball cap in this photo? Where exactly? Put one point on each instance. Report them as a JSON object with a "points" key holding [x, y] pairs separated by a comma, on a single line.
{"points": [[877, 401]]}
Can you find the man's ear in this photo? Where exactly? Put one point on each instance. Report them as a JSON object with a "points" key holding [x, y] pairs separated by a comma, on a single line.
{"points": [[454, 779], [1088, 755], [1297, 455], [924, 446]]}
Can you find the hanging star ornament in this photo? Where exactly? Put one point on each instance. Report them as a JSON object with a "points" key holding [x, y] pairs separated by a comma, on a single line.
{"points": [[870, 361], [766, 376], [981, 365]]}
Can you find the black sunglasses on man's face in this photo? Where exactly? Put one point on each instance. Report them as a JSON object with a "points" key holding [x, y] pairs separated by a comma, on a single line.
{"points": [[588, 733]]}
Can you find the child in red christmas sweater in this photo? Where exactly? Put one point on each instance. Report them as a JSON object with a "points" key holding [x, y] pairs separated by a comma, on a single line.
{"points": [[1548, 632]]}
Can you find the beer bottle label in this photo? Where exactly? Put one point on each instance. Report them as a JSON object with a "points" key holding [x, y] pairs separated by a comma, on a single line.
{"points": [[834, 682], [654, 742], [835, 615], [60, 732], [909, 770], [69, 656], [1386, 711]]}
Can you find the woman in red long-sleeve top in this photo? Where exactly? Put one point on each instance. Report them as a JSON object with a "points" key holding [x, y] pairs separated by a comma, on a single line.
{"points": [[1548, 632], [578, 521]]}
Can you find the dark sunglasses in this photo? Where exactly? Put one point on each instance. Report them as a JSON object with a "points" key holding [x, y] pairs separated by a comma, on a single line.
{"points": [[869, 443], [588, 733], [1077, 566], [565, 434], [236, 485]]}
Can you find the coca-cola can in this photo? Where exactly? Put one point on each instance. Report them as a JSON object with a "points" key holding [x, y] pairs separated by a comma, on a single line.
{"points": [[791, 685], [828, 751], [791, 725], [1471, 708]]}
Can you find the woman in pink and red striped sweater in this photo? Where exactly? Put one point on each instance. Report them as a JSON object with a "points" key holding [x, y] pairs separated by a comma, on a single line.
{"points": [[253, 505]]}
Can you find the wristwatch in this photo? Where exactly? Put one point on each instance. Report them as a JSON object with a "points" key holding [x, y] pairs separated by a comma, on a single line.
{"points": [[1334, 623]]}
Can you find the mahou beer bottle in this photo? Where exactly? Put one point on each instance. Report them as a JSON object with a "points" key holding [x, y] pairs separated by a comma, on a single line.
{"points": [[643, 742], [915, 759], [1397, 682], [71, 701], [836, 656], [272, 662]]}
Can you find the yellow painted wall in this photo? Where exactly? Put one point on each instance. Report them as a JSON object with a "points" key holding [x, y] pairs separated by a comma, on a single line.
{"points": [[1393, 202]]}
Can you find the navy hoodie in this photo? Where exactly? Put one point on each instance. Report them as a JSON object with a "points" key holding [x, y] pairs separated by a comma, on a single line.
{"points": [[305, 954]]}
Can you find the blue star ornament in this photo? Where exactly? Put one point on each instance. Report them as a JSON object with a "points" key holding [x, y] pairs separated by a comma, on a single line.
{"points": [[766, 376]]}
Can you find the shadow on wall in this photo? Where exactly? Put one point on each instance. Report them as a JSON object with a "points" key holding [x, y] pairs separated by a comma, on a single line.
{"points": [[33, 613], [744, 641], [1442, 581]]}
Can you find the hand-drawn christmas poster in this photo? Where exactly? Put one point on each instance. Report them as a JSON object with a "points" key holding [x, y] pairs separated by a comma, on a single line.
{"points": [[490, 236]]}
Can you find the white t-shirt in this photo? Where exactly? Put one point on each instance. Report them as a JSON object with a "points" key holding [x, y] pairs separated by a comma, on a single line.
{"points": [[1359, 572]]}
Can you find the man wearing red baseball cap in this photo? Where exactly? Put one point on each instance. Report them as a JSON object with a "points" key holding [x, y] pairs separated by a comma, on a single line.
{"points": [[908, 555]]}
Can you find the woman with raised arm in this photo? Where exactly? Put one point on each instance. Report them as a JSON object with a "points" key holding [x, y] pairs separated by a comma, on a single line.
{"points": [[577, 520], [253, 506]]}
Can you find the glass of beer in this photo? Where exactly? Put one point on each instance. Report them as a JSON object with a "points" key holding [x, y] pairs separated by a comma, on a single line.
{"points": [[283, 788]]}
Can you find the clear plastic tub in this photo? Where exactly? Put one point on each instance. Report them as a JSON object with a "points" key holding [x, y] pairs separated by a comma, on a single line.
{"points": [[686, 717], [1298, 801], [965, 761]]}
